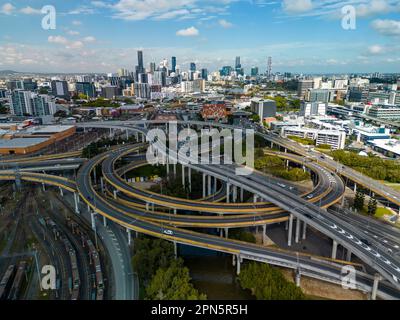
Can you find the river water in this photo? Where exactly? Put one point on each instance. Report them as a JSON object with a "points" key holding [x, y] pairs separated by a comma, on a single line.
{"points": [[213, 274]]}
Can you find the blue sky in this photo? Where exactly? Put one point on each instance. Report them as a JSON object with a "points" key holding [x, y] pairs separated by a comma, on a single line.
{"points": [[300, 35]]}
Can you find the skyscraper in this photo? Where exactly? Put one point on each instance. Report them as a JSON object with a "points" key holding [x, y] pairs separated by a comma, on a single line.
{"points": [[192, 67], [173, 64], [204, 74], [237, 63], [269, 67], [140, 61], [254, 71]]}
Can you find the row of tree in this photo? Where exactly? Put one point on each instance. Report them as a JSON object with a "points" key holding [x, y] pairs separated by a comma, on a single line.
{"points": [[372, 166]]}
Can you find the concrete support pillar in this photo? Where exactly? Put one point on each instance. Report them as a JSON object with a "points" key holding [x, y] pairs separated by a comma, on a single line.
{"points": [[76, 203], [175, 250], [105, 221], [115, 194], [264, 234], [61, 192], [348, 255], [290, 230], [377, 278], [241, 195], [304, 237], [209, 191], [143, 138], [174, 169], [43, 187], [175, 211], [190, 179], [355, 187], [233, 260], [204, 185], [226, 233], [183, 175], [298, 278], [102, 184], [234, 196], [255, 198], [334, 249], [297, 236], [228, 191], [147, 206], [93, 221], [167, 167], [214, 184], [238, 265], [128, 231], [221, 232]]}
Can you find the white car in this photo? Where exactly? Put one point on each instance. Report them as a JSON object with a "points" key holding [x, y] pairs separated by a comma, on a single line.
{"points": [[168, 232]]}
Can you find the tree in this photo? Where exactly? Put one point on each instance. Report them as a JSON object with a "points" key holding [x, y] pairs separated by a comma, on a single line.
{"points": [[3, 109], [267, 283], [173, 283], [359, 200], [372, 206]]}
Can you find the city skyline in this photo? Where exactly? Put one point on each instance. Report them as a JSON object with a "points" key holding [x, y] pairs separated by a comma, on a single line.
{"points": [[103, 36]]}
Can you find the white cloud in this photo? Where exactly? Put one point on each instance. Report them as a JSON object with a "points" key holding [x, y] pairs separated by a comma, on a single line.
{"points": [[57, 40], [225, 24], [189, 32], [387, 27], [297, 6], [76, 23], [29, 10], [73, 33], [89, 39], [376, 49], [67, 43], [7, 8]]}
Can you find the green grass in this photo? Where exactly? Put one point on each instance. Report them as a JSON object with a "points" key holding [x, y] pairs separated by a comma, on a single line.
{"points": [[395, 186], [381, 212]]}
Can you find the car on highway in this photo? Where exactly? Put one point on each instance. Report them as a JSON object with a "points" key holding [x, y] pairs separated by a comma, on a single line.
{"points": [[310, 196], [366, 242], [168, 232]]}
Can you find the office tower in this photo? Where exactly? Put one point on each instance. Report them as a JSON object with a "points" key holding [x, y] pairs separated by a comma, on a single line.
{"points": [[192, 67], [140, 61], [254, 71], [237, 63], [110, 92], [226, 71], [269, 67], [303, 87], [173, 64], [85, 88], [142, 90], [160, 78], [204, 74], [59, 89], [152, 67]]}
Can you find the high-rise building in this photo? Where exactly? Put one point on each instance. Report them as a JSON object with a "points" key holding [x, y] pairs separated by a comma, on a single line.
{"points": [[269, 67], [85, 88], [254, 71], [237, 63], [28, 103], [226, 71], [192, 67], [110, 92], [152, 67], [59, 89], [142, 90], [21, 103], [140, 61], [303, 87], [173, 64], [204, 74]]}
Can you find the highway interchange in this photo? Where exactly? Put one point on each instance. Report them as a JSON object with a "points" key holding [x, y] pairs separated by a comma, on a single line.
{"points": [[279, 205]]}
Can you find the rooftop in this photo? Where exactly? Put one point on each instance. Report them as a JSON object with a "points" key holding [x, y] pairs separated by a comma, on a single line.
{"points": [[20, 142]]}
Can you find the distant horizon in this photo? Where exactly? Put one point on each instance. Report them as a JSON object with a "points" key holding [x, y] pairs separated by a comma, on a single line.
{"points": [[301, 36]]}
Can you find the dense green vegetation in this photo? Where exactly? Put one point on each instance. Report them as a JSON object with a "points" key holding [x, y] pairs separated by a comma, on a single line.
{"points": [[371, 166], [267, 283], [305, 141], [242, 235], [285, 105], [101, 103], [276, 167], [95, 148], [359, 200], [173, 283], [164, 277], [3, 108]]}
